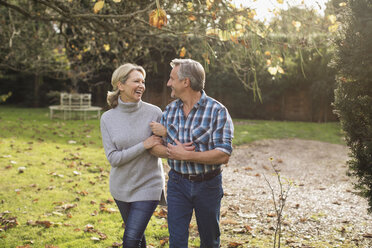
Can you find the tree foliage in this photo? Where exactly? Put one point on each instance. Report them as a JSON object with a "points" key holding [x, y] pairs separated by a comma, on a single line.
{"points": [[89, 39], [354, 91]]}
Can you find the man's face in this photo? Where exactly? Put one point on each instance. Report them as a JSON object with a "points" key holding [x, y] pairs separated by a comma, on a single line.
{"points": [[174, 83]]}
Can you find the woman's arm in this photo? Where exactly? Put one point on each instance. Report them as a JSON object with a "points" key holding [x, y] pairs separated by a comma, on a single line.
{"points": [[118, 157]]}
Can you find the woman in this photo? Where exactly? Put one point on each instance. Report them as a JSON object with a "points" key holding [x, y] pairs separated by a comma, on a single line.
{"points": [[136, 176]]}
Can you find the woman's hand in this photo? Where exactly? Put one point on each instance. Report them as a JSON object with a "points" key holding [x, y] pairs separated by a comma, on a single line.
{"points": [[152, 141], [158, 129]]}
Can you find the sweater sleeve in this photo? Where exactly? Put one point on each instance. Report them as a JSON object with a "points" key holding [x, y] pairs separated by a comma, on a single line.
{"points": [[115, 156]]}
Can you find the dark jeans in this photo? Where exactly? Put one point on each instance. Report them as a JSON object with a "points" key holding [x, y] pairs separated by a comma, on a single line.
{"points": [[183, 197], [136, 216]]}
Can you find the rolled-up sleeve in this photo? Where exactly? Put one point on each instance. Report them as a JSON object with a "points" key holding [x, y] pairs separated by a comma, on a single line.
{"points": [[223, 132]]}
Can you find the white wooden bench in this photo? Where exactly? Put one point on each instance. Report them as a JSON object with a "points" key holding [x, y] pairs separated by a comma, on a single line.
{"points": [[74, 104]]}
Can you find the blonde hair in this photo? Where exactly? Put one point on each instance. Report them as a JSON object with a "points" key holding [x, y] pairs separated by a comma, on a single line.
{"points": [[121, 75]]}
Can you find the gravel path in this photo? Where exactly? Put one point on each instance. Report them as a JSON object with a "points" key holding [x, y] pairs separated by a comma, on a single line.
{"points": [[321, 207]]}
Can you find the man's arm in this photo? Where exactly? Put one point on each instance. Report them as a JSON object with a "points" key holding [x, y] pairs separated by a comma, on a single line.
{"points": [[178, 152], [159, 151]]}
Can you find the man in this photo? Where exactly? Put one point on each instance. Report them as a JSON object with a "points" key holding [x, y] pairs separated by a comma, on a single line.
{"points": [[199, 132]]}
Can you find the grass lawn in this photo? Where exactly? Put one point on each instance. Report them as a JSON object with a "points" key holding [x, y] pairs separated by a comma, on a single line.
{"points": [[54, 179], [247, 131]]}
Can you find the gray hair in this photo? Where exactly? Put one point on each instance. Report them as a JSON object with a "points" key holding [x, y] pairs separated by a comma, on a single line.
{"points": [[190, 69], [121, 75]]}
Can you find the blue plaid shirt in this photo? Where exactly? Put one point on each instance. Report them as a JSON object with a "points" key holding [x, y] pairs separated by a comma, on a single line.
{"points": [[208, 126]]}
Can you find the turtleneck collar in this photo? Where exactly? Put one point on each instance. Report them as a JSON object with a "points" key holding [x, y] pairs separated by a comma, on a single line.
{"points": [[128, 107]]}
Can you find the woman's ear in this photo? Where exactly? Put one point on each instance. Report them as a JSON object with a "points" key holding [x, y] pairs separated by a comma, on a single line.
{"points": [[120, 86]]}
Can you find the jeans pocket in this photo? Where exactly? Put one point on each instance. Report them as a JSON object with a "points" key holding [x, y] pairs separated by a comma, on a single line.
{"points": [[214, 183]]}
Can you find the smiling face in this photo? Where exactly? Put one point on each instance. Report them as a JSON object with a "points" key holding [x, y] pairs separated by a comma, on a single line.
{"points": [[133, 88], [175, 83]]}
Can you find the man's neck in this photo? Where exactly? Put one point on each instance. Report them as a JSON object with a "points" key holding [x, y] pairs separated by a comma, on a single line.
{"points": [[189, 100]]}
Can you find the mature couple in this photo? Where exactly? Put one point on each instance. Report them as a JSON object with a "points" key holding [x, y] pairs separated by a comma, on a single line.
{"points": [[197, 132]]}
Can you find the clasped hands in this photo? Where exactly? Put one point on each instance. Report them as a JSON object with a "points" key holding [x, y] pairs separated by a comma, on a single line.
{"points": [[179, 151]]}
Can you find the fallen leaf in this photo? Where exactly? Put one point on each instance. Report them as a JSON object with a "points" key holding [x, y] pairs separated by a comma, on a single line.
{"points": [[89, 228], [162, 213], [238, 230], [7, 222], [234, 244], [45, 223], [248, 228], [83, 193], [229, 222], [164, 241], [367, 235], [98, 6]]}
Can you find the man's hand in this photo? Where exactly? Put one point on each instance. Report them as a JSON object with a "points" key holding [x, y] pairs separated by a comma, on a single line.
{"points": [[158, 129], [186, 152], [179, 151]]}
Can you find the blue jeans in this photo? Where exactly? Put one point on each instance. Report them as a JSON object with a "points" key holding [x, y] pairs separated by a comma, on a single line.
{"points": [[136, 216], [185, 196]]}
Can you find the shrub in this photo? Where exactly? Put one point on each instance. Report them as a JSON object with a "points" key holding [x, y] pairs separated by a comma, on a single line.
{"points": [[353, 96]]}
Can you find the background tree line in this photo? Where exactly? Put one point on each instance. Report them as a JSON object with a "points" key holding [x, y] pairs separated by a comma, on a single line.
{"points": [[52, 46]]}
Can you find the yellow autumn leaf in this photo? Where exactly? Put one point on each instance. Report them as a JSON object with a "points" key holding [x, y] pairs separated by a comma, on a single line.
{"points": [[267, 54], [190, 7], [205, 57], [280, 1], [272, 70], [268, 62], [117, 1], [183, 52], [332, 18], [280, 69], [231, 5], [280, 59], [230, 20], [234, 39], [297, 25], [343, 4], [86, 49], [106, 47], [251, 13], [223, 35], [239, 27], [209, 4], [333, 28], [98, 6], [79, 57], [212, 31]]}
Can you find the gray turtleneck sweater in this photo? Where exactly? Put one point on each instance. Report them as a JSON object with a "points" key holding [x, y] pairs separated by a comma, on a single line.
{"points": [[135, 174]]}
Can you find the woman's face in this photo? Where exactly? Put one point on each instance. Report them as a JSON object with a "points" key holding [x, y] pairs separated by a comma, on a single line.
{"points": [[133, 89]]}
